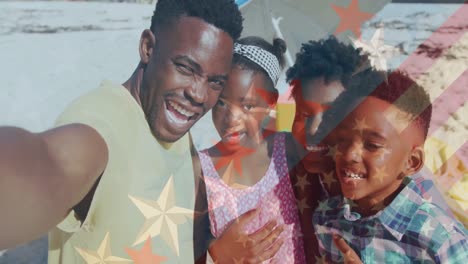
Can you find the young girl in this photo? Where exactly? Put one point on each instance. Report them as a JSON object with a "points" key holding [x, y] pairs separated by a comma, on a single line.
{"points": [[248, 168]]}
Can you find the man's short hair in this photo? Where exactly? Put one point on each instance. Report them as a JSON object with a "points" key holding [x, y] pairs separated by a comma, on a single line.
{"points": [[223, 14], [327, 58], [396, 88]]}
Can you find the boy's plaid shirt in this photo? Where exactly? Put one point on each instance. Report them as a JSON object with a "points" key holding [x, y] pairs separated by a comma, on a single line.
{"points": [[409, 230]]}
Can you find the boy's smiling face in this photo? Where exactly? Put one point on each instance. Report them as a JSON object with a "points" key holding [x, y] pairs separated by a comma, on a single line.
{"points": [[372, 157]]}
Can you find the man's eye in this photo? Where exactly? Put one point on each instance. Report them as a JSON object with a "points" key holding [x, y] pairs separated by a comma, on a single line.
{"points": [[184, 69], [217, 85]]}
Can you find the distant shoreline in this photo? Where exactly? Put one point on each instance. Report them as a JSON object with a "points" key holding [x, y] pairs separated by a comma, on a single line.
{"points": [[152, 1], [94, 1]]}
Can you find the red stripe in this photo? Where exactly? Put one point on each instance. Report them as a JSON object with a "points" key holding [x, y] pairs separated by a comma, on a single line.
{"points": [[454, 97], [416, 63]]}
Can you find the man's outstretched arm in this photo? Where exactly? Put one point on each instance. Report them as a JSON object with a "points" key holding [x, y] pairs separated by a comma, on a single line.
{"points": [[43, 175]]}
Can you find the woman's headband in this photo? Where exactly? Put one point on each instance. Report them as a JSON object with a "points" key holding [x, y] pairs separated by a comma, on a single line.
{"points": [[262, 58]]}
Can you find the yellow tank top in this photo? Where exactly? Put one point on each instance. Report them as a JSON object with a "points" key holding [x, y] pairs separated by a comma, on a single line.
{"points": [[142, 210]]}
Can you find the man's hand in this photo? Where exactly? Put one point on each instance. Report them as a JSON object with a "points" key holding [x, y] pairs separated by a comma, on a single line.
{"points": [[350, 257], [235, 246]]}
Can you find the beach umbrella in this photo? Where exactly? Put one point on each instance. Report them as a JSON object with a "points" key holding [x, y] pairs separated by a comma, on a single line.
{"points": [[298, 21]]}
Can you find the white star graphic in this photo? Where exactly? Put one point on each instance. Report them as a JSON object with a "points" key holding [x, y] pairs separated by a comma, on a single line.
{"points": [[383, 152], [377, 51], [302, 205], [320, 260], [449, 226], [329, 178], [427, 228], [333, 152], [103, 255], [427, 207], [400, 203], [429, 199], [302, 181], [162, 217], [423, 255], [381, 174], [228, 175], [321, 230], [360, 125], [322, 207]]}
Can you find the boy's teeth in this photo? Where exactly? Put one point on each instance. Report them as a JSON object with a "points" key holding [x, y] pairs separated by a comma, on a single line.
{"points": [[353, 175]]}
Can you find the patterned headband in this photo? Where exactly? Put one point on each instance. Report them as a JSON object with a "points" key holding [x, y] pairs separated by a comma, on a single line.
{"points": [[262, 58]]}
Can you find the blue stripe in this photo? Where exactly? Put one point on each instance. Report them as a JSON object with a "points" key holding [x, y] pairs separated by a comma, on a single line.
{"points": [[241, 3]]}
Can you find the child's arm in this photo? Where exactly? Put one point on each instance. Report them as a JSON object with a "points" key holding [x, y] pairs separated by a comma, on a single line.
{"points": [[42, 176]]}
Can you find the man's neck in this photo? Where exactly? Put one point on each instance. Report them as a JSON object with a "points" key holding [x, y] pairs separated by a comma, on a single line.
{"points": [[133, 84]]}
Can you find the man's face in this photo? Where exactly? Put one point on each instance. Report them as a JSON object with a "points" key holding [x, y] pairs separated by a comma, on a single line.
{"points": [[370, 152], [184, 76]]}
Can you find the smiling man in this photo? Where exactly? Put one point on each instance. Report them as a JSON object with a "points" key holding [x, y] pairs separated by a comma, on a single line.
{"points": [[115, 176]]}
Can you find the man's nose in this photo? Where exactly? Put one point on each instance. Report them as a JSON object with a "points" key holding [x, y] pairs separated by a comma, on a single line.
{"points": [[197, 92]]}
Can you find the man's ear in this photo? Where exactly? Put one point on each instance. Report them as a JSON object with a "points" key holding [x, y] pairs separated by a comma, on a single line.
{"points": [[147, 42], [415, 161]]}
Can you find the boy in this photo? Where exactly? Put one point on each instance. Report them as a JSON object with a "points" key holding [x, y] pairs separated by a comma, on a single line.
{"points": [[378, 140], [319, 74]]}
